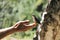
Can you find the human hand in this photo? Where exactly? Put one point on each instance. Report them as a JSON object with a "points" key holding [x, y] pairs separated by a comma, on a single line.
{"points": [[24, 25]]}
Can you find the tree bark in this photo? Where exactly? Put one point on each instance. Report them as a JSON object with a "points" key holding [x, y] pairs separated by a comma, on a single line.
{"points": [[51, 24]]}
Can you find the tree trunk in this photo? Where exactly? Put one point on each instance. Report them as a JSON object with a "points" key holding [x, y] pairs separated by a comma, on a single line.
{"points": [[51, 24]]}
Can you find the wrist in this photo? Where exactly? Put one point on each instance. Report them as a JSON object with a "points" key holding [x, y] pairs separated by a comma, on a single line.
{"points": [[13, 29]]}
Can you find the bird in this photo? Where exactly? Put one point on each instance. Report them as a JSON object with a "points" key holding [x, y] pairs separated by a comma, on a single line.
{"points": [[36, 19]]}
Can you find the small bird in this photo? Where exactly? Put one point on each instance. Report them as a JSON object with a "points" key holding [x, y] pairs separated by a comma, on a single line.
{"points": [[36, 19]]}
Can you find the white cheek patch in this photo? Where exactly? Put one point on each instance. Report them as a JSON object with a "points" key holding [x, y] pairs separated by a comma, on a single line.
{"points": [[44, 13]]}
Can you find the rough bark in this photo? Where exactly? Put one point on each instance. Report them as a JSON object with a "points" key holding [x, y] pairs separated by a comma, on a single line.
{"points": [[51, 24]]}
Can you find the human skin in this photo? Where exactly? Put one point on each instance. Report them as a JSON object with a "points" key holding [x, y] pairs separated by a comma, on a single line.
{"points": [[18, 27]]}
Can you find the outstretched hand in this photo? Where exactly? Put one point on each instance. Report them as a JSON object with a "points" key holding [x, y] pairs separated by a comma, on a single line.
{"points": [[19, 26], [24, 25]]}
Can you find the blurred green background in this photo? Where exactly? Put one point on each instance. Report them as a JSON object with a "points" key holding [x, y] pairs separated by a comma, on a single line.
{"points": [[12, 11]]}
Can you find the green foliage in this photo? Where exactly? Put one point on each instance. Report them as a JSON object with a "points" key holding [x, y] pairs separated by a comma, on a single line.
{"points": [[12, 11]]}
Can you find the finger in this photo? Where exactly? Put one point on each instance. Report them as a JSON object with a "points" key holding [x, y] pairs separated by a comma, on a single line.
{"points": [[26, 21], [30, 25]]}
